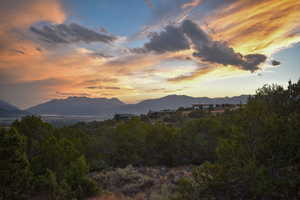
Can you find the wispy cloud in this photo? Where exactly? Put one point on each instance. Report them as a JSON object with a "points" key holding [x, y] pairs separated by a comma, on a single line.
{"points": [[103, 87], [167, 12], [101, 80], [70, 33], [67, 94], [149, 3], [191, 76], [257, 26], [192, 4]]}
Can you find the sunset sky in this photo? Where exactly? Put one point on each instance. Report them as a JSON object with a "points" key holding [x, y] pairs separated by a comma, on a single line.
{"points": [[140, 49]]}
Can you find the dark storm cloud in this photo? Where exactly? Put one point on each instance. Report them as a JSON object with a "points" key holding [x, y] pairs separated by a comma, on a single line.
{"points": [[70, 33], [252, 61], [275, 62], [196, 34], [189, 35], [219, 52], [171, 39]]}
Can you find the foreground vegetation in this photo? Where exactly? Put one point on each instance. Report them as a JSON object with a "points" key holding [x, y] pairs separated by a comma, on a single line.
{"points": [[259, 155], [249, 153]]}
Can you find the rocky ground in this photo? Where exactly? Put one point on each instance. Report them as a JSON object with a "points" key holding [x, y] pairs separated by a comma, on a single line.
{"points": [[139, 183]]}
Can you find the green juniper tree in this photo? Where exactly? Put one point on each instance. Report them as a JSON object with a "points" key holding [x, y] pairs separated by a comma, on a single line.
{"points": [[15, 174]]}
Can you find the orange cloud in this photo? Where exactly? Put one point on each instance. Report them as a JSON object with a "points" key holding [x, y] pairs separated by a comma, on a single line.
{"points": [[138, 62], [22, 14], [16, 17], [47, 72], [21, 58], [263, 26], [192, 4], [199, 72], [25, 66]]}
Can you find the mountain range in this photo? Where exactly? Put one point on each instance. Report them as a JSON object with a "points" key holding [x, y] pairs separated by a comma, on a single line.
{"points": [[107, 107]]}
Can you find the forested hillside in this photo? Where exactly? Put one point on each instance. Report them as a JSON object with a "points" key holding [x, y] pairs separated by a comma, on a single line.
{"points": [[249, 153]]}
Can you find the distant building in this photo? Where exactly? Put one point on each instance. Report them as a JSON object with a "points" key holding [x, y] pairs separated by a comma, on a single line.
{"points": [[202, 106], [167, 111], [124, 116], [212, 107], [158, 114]]}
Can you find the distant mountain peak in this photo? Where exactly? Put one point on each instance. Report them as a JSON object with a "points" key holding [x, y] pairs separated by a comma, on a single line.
{"points": [[77, 105], [7, 109], [7, 105]]}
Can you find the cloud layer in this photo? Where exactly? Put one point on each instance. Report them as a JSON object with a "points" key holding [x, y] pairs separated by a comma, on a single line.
{"points": [[227, 39], [257, 26], [70, 33]]}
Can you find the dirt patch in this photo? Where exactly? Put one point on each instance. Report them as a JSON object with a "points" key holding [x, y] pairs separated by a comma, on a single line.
{"points": [[139, 183]]}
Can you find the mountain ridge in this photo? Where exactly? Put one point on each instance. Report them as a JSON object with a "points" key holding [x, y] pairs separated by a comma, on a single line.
{"points": [[107, 107]]}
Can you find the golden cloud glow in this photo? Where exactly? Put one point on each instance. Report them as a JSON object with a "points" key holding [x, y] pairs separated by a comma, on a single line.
{"points": [[22, 14], [263, 26], [251, 26], [20, 56], [199, 72], [17, 16]]}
